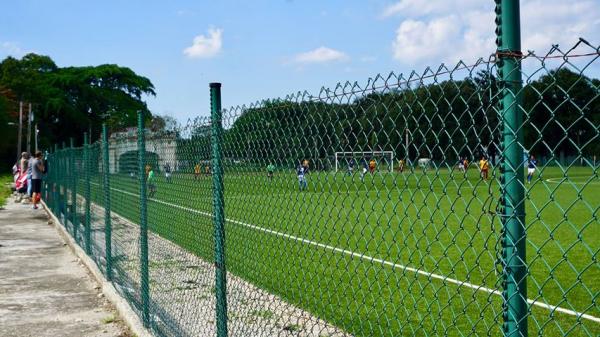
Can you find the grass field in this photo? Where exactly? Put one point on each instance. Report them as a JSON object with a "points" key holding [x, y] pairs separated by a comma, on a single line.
{"points": [[5, 181], [397, 254]]}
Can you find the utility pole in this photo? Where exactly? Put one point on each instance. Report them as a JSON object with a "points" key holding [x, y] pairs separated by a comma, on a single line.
{"points": [[37, 131], [20, 132], [29, 130], [406, 146]]}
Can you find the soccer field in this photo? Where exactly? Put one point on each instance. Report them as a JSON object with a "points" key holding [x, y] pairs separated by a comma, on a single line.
{"points": [[395, 254]]}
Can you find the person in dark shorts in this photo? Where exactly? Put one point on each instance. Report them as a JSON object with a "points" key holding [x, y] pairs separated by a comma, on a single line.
{"points": [[37, 171]]}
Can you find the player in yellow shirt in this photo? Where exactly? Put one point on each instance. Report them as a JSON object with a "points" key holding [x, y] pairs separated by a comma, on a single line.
{"points": [[484, 166], [196, 171], [372, 166], [401, 165]]}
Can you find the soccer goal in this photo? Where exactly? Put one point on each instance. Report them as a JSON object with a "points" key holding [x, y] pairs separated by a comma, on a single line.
{"points": [[356, 160]]}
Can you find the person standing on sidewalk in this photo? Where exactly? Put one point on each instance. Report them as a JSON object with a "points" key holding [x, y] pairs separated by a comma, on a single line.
{"points": [[37, 171], [29, 188]]}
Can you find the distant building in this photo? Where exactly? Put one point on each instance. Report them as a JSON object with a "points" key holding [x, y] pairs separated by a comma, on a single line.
{"points": [[123, 150]]}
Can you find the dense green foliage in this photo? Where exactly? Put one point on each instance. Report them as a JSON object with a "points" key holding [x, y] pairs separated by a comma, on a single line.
{"points": [[72, 100], [445, 120], [5, 191]]}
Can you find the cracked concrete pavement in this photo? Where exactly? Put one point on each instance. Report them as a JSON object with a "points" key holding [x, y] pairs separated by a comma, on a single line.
{"points": [[44, 289]]}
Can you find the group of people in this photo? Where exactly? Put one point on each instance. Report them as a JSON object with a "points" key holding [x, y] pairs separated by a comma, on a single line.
{"points": [[28, 173], [197, 169], [301, 170], [484, 167], [369, 166]]}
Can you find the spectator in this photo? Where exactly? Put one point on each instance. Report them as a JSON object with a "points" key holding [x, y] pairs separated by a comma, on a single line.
{"points": [[29, 188], [37, 169], [24, 162]]}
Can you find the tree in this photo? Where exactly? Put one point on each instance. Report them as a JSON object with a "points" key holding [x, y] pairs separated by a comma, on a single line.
{"points": [[563, 114], [72, 100]]}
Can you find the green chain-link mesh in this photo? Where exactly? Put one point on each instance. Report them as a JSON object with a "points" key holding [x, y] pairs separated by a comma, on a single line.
{"points": [[365, 210]]}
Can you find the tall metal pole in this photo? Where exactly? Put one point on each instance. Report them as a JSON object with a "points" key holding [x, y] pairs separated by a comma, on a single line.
{"points": [[64, 154], [73, 183], [29, 129], [87, 230], [218, 202], [20, 132], [55, 185], [145, 289], [37, 131], [512, 183], [406, 146], [107, 214]]}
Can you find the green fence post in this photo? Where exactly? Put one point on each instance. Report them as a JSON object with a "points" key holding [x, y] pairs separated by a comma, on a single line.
{"points": [[88, 203], [107, 222], [57, 180], [74, 217], [55, 186], [64, 179], [218, 215], [143, 221], [513, 189], [69, 185]]}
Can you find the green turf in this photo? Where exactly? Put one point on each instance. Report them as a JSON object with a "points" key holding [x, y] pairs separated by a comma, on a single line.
{"points": [[439, 221], [5, 181]]}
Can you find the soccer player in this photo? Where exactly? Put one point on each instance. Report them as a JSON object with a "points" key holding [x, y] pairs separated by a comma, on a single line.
{"points": [[168, 172], [351, 164], [270, 171], [484, 166], [196, 171], [466, 164], [372, 165], [461, 165], [151, 183], [531, 166], [364, 170], [301, 171], [305, 165], [401, 165]]}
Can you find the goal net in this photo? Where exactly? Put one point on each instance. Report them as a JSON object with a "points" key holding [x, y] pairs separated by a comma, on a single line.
{"points": [[346, 161]]}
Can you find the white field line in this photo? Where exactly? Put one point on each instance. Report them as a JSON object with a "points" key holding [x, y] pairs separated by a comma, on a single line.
{"points": [[368, 258], [566, 180]]}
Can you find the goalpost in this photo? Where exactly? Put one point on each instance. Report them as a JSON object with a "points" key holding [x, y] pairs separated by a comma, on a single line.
{"points": [[385, 159]]}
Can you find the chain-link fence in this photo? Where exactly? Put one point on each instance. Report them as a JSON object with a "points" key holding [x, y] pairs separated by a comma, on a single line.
{"points": [[460, 201]]}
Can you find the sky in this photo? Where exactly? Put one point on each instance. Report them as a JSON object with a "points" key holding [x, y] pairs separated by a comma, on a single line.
{"points": [[263, 49]]}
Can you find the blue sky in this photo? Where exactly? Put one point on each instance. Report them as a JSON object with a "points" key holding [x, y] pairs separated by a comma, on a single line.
{"points": [[264, 49]]}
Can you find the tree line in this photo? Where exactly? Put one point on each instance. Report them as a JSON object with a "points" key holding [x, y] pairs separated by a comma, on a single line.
{"points": [[67, 101], [443, 121]]}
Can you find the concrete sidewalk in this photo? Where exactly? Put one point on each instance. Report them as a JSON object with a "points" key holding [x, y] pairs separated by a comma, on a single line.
{"points": [[44, 290]]}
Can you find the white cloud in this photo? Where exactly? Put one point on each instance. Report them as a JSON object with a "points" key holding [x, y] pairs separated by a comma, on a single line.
{"points": [[448, 31], [320, 55], [206, 46], [558, 22], [420, 7], [184, 12], [12, 49], [368, 59], [424, 40]]}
